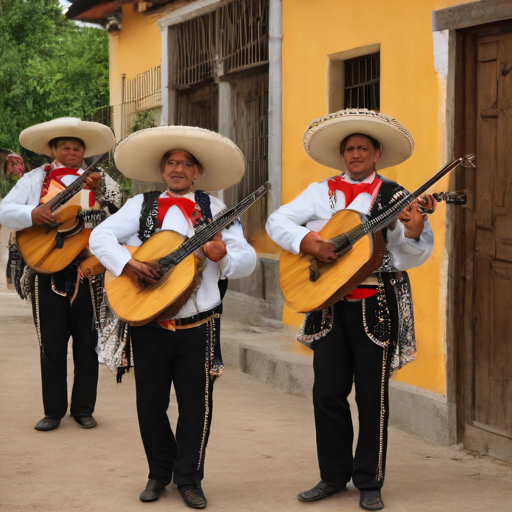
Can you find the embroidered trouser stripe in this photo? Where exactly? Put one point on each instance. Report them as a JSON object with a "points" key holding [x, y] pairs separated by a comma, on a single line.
{"points": [[181, 357], [346, 356]]}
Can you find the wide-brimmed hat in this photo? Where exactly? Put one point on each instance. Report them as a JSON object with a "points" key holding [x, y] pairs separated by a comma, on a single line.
{"points": [[139, 155], [323, 137], [97, 138]]}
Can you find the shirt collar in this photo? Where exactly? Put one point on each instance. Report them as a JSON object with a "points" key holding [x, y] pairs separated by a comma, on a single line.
{"points": [[369, 179]]}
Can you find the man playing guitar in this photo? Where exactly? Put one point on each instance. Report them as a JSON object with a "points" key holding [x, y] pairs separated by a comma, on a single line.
{"points": [[61, 301], [370, 332]]}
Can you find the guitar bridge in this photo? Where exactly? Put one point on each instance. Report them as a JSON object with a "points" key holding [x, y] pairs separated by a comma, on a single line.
{"points": [[314, 271], [59, 240]]}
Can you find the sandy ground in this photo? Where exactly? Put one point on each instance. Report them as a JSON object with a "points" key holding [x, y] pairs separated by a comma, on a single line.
{"points": [[261, 451]]}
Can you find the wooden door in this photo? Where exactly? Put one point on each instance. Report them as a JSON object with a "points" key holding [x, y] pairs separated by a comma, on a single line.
{"points": [[485, 422], [493, 245]]}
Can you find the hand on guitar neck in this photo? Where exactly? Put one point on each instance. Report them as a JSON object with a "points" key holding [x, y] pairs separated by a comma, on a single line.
{"points": [[92, 182], [215, 249], [42, 214], [413, 216], [314, 245]]}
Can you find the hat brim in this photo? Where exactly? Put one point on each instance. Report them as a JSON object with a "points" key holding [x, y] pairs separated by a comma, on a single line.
{"points": [[139, 155], [97, 138], [323, 137]]}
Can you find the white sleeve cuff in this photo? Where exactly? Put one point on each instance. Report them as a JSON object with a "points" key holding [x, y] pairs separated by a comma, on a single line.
{"points": [[301, 232]]}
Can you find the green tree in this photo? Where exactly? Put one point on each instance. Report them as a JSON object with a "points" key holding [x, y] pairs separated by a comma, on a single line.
{"points": [[49, 67]]}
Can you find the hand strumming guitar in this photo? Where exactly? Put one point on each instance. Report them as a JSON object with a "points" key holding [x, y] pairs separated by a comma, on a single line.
{"points": [[145, 271], [314, 245], [43, 215], [215, 249]]}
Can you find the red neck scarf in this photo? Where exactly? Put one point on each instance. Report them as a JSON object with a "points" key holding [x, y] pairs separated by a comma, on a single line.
{"points": [[186, 206], [56, 175], [352, 190]]}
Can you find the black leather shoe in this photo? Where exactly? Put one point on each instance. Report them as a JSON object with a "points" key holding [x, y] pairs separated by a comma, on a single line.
{"points": [[47, 424], [85, 421], [321, 490], [193, 496], [152, 491], [371, 500]]}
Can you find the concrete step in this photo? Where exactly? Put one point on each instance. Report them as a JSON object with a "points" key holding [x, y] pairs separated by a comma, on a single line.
{"points": [[268, 350]]}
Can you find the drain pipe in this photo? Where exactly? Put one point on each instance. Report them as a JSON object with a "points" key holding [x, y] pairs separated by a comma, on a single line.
{"points": [[274, 104]]}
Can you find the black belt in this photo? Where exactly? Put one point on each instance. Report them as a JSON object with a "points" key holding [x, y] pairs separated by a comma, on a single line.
{"points": [[217, 310]]}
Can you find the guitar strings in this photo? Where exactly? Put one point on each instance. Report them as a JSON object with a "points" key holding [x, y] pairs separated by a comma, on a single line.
{"points": [[70, 190], [221, 220]]}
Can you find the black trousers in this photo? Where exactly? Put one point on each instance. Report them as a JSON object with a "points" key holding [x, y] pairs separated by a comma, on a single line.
{"points": [[345, 356], [162, 357], [59, 319]]}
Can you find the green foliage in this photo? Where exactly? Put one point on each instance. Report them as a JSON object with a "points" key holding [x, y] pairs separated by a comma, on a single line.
{"points": [[6, 184], [144, 119], [49, 67], [125, 184]]}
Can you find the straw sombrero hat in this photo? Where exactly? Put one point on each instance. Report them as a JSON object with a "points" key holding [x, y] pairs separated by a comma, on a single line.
{"points": [[139, 155], [98, 138], [323, 137]]}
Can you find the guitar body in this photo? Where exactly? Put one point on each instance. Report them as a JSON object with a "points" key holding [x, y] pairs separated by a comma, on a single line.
{"points": [[139, 304], [38, 244], [335, 279]]}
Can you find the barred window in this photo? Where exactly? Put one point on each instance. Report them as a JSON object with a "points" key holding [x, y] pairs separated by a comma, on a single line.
{"points": [[362, 82]]}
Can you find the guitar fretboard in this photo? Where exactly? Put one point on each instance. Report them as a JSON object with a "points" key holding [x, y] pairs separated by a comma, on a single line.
{"points": [[387, 217], [220, 221]]}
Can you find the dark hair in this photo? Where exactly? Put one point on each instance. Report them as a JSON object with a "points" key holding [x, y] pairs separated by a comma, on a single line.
{"points": [[375, 142], [168, 154], [54, 142]]}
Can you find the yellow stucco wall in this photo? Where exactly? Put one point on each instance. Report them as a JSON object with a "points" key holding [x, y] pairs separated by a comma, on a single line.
{"points": [[411, 91], [133, 50]]}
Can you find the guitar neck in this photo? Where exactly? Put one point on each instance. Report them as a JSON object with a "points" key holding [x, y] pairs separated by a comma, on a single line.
{"points": [[388, 216], [392, 213], [70, 191], [219, 222]]}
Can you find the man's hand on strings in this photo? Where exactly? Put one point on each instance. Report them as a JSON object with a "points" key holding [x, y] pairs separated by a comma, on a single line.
{"points": [[92, 182], [427, 204], [144, 271], [314, 245], [215, 249], [413, 216], [43, 215]]}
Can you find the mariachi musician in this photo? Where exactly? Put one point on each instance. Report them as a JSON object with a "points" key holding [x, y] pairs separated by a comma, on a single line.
{"points": [[61, 301], [183, 350], [370, 332]]}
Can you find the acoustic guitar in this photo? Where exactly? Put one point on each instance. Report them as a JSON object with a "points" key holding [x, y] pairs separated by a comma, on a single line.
{"points": [[309, 284], [174, 256], [50, 248]]}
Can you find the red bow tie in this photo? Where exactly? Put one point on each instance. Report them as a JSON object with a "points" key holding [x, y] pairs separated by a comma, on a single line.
{"points": [[186, 206], [352, 190]]}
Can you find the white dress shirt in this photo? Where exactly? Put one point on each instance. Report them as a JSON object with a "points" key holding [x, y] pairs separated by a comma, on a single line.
{"points": [[123, 227], [310, 211]]}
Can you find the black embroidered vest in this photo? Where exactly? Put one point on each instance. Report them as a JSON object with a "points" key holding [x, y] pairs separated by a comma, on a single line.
{"points": [[149, 213]]}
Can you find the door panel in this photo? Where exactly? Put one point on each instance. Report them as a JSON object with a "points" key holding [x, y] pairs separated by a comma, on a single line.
{"points": [[491, 406]]}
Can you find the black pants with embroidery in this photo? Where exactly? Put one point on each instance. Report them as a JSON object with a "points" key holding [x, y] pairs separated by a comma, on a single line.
{"points": [[346, 356], [60, 319], [162, 357]]}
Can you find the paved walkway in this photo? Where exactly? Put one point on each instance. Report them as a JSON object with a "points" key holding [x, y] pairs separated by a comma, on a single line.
{"points": [[261, 451]]}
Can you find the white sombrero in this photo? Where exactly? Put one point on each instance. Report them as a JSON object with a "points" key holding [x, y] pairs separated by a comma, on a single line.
{"points": [[139, 155], [98, 138], [323, 137]]}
